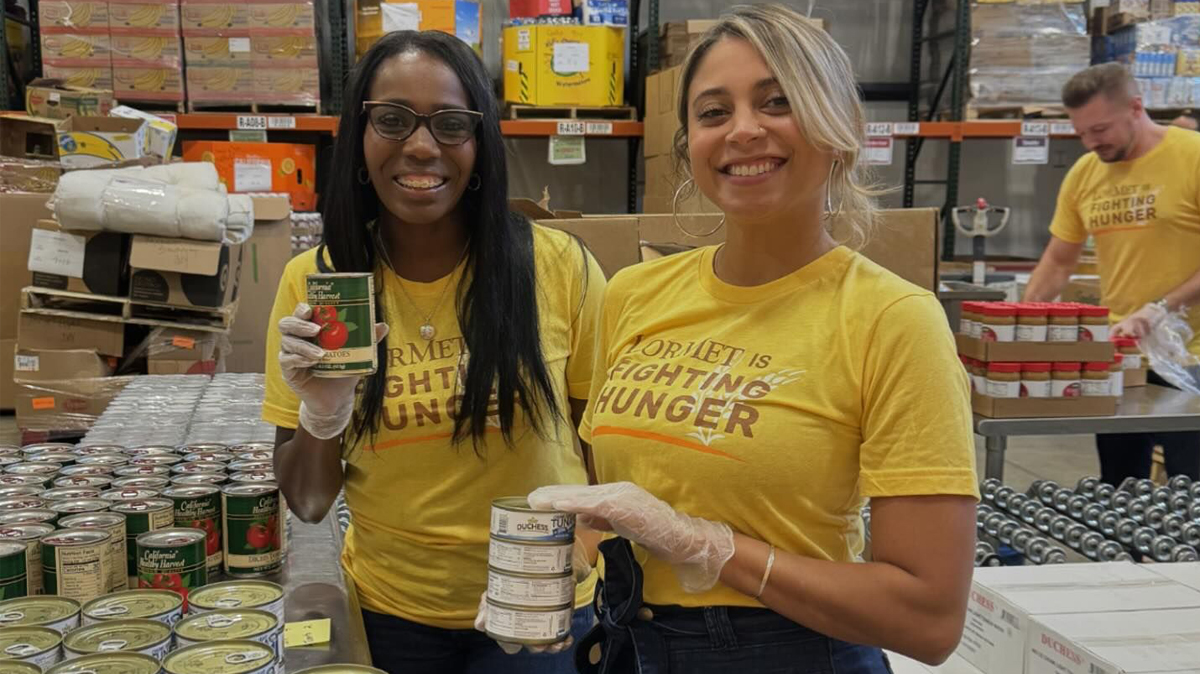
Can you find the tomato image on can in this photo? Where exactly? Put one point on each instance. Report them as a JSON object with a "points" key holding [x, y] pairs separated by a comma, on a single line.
{"points": [[251, 530], [142, 516], [343, 305], [199, 507], [173, 559]]}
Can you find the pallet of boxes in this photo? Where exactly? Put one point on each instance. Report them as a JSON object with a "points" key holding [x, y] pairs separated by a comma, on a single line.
{"points": [[1161, 48]]}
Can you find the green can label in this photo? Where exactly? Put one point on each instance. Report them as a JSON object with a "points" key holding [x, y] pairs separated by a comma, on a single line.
{"points": [[199, 507], [252, 531], [172, 559], [344, 306], [140, 517], [14, 572]]}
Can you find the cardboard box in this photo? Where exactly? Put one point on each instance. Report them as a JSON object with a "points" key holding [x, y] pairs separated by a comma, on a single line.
{"points": [[160, 134], [183, 272], [21, 215], [30, 137], [148, 83], [282, 15], [28, 175], [1136, 378], [604, 12], [177, 351], [1005, 601], [261, 167], [1135, 642], [1035, 352], [85, 142], [526, 9], [98, 262], [72, 14], [267, 252], [77, 49], [290, 50], [8, 389], [143, 15], [564, 65], [146, 48], [279, 84], [1023, 408], [91, 76], [36, 364], [201, 18], [56, 99], [1184, 573], [218, 49], [1082, 289], [231, 84], [106, 335], [65, 405]]}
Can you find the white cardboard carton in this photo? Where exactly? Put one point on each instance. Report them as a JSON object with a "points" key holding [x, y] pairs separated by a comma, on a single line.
{"points": [[955, 665], [1184, 573], [1004, 599], [1136, 642]]}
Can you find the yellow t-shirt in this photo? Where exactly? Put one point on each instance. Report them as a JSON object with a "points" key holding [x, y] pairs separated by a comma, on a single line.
{"points": [[417, 544], [777, 408], [1145, 217]]}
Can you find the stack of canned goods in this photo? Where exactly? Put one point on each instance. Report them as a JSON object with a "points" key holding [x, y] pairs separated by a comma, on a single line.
{"points": [[150, 410], [531, 587], [231, 411]]}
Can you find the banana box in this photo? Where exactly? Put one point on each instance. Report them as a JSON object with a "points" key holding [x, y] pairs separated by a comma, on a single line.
{"points": [[262, 167], [286, 50], [95, 76], [72, 15], [86, 142], [143, 15], [214, 50], [161, 49], [564, 65], [77, 49], [133, 82], [58, 100], [282, 15], [160, 134], [213, 16], [1187, 63], [284, 86], [220, 84]]}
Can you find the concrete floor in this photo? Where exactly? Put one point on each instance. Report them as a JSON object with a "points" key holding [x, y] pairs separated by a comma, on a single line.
{"points": [[1062, 458]]}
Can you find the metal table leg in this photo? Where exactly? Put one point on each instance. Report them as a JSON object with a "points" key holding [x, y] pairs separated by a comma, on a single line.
{"points": [[995, 446]]}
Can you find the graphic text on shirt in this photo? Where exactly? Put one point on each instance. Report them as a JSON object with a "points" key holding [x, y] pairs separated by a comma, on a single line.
{"points": [[1122, 207]]}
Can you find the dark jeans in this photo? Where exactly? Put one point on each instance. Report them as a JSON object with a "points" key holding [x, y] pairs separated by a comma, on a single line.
{"points": [[401, 646], [636, 639], [1125, 455]]}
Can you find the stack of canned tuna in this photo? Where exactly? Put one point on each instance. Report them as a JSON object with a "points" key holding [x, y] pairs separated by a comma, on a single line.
{"points": [[80, 527], [531, 586]]}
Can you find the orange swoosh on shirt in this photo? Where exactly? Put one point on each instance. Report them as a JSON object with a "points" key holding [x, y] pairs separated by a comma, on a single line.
{"points": [[658, 437], [421, 438]]}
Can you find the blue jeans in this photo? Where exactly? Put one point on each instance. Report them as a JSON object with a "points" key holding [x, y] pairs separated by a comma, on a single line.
{"points": [[401, 646], [633, 638]]}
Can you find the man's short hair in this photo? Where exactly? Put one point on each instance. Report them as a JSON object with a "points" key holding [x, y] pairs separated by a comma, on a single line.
{"points": [[1111, 79]]}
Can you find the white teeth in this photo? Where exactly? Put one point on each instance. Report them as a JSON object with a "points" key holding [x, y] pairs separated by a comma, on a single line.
{"points": [[752, 169], [420, 183]]}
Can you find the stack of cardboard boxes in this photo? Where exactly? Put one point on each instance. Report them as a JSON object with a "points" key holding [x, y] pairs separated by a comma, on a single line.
{"points": [[1164, 55], [376, 18], [75, 41], [660, 128]]}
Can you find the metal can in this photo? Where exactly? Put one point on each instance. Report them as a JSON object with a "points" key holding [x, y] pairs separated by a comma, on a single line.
{"points": [[61, 458], [173, 559], [151, 482], [60, 614], [77, 470], [108, 662], [527, 557], [514, 519], [344, 306], [194, 479], [199, 507], [88, 450], [341, 669], [39, 447], [75, 563], [253, 476], [11, 480], [114, 524], [79, 505], [30, 516], [520, 589], [208, 457], [233, 623], [142, 516], [142, 471], [22, 503], [529, 626], [40, 646], [21, 490], [257, 594], [110, 461], [98, 482], [221, 657], [31, 536], [129, 494], [252, 447], [150, 450], [203, 447], [168, 460], [251, 530], [256, 455], [14, 570], [19, 667], [249, 466], [163, 606], [148, 637], [9, 459], [46, 471], [193, 467]]}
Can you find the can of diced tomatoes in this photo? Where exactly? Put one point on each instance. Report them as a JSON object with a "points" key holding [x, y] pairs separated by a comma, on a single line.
{"points": [[199, 507], [173, 559], [164, 606], [344, 306], [75, 563], [30, 535], [114, 524], [251, 531], [150, 514], [14, 571]]}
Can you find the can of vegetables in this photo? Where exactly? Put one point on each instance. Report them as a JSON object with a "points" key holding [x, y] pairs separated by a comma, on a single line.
{"points": [[344, 306], [199, 507], [172, 559], [252, 536]]}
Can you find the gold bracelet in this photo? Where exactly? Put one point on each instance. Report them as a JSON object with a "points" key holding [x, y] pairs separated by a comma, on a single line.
{"points": [[766, 573]]}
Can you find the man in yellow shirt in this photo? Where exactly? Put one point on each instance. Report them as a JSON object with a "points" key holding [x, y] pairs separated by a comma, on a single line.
{"points": [[1137, 192]]}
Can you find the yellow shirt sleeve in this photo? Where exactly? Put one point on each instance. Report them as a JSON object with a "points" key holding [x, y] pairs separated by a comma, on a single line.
{"points": [[917, 435], [587, 296], [280, 404], [1068, 223]]}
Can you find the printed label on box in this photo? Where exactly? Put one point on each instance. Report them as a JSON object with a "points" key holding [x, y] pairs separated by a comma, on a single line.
{"points": [[239, 44], [183, 342], [567, 151], [1031, 150], [570, 57], [524, 39], [400, 16], [26, 363], [56, 253], [252, 175], [46, 403]]}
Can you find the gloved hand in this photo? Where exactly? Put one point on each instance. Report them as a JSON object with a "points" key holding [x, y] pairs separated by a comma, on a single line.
{"points": [[1140, 323], [326, 403], [697, 549]]}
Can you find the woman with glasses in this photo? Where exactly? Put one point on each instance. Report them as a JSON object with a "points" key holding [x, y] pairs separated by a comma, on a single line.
{"points": [[485, 357]]}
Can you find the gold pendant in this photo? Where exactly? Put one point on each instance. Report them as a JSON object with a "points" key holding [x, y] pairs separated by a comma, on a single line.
{"points": [[427, 332]]}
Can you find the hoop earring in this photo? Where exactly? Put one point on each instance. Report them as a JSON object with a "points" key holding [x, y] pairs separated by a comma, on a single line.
{"points": [[475, 182], [675, 215], [829, 212], [363, 177]]}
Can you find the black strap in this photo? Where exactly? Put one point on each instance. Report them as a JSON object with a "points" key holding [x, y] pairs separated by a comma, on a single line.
{"points": [[322, 266]]}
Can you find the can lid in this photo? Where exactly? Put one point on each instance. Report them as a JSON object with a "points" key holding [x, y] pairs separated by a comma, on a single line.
{"points": [[141, 603], [26, 531], [1092, 310], [190, 491], [133, 634], [142, 505], [227, 657], [86, 520], [75, 537], [107, 663], [21, 667], [1067, 367], [79, 505], [229, 623], [26, 640], [250, 488], [1004, 367], [37, 610], [1035, 367], [1063, 310], [11, 548], [1096, 366], [174, 536], [236, 594]]}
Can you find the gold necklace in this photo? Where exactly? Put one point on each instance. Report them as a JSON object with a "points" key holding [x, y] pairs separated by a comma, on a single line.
{"points": [[427, 331]]}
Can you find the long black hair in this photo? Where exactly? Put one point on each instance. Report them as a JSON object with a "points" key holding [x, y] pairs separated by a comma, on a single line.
{"points": [[497, 300]]}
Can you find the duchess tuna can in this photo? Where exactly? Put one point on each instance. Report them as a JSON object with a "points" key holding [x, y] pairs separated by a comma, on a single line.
{"points": [[108, 662], [528, 626], [14, 572], [152, 482], [344, 306], [221, 657], [164, 606], [63, 459], [148, 637], [528, 557], [97, 482], [18, 667], [513, 519], [57, 613], [258, 594], [341, 669], [142, 516], [233, 623], [39, 646], [173, 559], [29, 535], [199, 507], [75, 563], [30, 516], [528, 590], [251, 530], [114, 524]]}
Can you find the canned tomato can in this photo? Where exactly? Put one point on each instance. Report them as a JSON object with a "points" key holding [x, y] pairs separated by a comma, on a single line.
{"points": [[203, 447], [514, 519], [199, 507], [251, 447], [344, 306], [150, 450], [13, 480], [233, 623], [46, 471], [129, 494], [31, 536], [78, 470], [151, 482], [99, 482], [110, 461], [60, 614], [39, 646], [114, 524], [527, 625], [22, 503], [14, 570], [75, 563], [193, 479], [173, 559], [249, 466], [69, 493], [164, 606], [253, 476], [267, 455], [251, 532], [142, 471], [221, 657], [529, 557], [257, 594], [21, 490], [167, 460], [193, 467], [108, 662], [134, 635], [28, 516], [63, 459], [208, 457], [40, 447], [142, 516], [89, 450], [523, 589], [79, 505]]}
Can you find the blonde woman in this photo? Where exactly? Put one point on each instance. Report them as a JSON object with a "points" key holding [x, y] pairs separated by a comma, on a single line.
{"points": [[750, 396]]}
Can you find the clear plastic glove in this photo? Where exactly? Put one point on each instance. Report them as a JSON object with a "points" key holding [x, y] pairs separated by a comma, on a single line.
{"points": [[326, 403], [1141, 322], [697, 549], [1166, 347]]}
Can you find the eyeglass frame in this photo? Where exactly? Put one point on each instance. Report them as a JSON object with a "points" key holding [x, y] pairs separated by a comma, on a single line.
{"points": [[426, 120]]}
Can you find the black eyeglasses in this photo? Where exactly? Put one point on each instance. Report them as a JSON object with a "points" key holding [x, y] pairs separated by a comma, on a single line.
{"points": [[397, 122]]}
